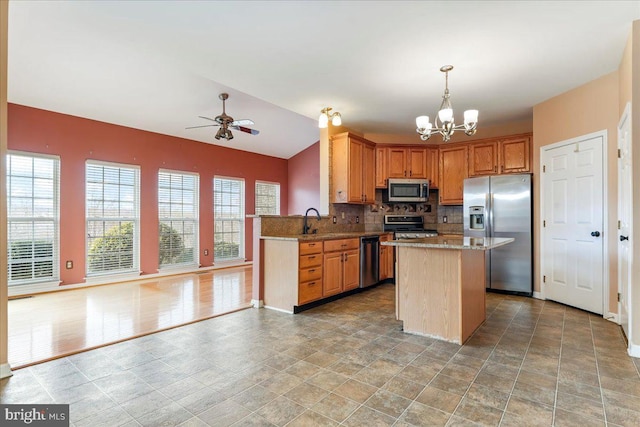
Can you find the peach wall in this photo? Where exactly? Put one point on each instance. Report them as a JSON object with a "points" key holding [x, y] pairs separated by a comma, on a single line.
{"points": [[304, 180], [588, 108], [512, 128], [76, 140]]}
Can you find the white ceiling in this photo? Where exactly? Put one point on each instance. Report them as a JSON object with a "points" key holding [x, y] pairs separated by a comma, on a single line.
{"points": [[158, 65]]}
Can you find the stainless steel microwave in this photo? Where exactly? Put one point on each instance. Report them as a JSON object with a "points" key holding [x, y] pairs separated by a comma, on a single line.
{"points": [[408, 190]]}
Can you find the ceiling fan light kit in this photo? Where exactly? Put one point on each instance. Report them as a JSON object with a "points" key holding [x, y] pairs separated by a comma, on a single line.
{"points": [[444, 123], [226, 122], [326, 115]]}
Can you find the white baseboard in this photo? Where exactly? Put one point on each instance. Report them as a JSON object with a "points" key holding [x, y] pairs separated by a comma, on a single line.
{"points": [[634, 350], [278, 309], [538, 295], [613, 317], [5, 370], [257, 303], [26, 290]]}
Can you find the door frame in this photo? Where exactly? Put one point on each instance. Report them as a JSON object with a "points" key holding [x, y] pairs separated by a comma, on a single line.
{"points": [[626, 118], [605, 217]]}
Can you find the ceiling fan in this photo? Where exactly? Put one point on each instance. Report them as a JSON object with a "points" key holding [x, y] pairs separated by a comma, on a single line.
{"points": [[226, 122]]}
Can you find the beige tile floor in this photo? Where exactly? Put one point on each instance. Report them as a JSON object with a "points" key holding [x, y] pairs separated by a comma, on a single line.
{"points": [[348, 363]]}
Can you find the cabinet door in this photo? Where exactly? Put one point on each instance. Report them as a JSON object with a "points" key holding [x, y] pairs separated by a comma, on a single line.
{"points": [[417, 162], [515, 155], [397, 163], [355, 172], [381, 167], [483, 159], [368, 173], [332, 273], [453, 171], [432, 167], [351, 272]]}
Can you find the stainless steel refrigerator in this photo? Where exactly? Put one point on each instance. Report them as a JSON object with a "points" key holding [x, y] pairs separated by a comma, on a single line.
{"points": [[502, 206]]}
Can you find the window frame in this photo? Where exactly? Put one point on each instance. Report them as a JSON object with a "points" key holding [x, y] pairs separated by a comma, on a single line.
{"points": [[195, 221], [240, 219], [55, 220], [256, 193], [135, 268]]}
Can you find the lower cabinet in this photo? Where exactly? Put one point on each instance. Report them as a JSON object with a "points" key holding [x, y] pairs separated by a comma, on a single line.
{"points": [[309, 272], [341, 266], [386, 258]]}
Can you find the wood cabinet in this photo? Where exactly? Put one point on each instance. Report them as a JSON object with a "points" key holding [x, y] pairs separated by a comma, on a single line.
{"points": [[407, 162], [352, 169], [382, 174], [386, 258], [432, 166], [341, 266], [453, 171], [309, 272], [514, 154], [500, 156]]}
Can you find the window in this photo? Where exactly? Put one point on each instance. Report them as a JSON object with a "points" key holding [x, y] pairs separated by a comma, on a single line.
{"points": [[267, 198], [32, 218], [178, 214], [113, 218], [228, 213]]}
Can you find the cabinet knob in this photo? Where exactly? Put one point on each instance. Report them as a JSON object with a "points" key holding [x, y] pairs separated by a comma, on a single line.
{"points": [[410, 173]]}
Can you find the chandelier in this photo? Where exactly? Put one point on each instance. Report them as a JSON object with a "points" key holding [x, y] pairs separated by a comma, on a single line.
{"points": [[326, 115], [444, 123]]}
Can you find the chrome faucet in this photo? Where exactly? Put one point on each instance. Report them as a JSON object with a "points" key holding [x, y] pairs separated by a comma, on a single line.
{"points": [[305, 227]]}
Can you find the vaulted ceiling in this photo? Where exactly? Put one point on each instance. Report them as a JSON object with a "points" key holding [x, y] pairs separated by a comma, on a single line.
{"points": [[157, 66]]}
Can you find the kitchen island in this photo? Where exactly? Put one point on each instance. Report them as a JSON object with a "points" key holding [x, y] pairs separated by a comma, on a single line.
{"points": [[440, 285]]}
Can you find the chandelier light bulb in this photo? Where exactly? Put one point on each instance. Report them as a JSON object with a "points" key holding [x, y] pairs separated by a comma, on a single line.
{"points": [[337, 119], [422, 122], [470, 116], [445, 115], [323, 121]]}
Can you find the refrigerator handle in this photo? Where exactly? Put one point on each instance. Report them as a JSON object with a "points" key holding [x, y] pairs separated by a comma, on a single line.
{"points": [[489, 209]]}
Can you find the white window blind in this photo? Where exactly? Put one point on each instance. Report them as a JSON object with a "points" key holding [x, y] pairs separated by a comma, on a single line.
{"points": [[267, 198], [32, 219], [228, 213], [178, 214], [113, 216]]}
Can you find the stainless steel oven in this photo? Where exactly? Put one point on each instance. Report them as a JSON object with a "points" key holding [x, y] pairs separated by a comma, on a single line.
{"points": [[407, 226]]}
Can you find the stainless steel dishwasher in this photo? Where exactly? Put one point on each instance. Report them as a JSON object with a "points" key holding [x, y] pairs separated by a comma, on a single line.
{"points": [[369, 260]]}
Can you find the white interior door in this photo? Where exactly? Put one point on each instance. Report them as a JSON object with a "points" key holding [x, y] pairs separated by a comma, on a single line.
{"points": [[625, 206], [572, 197]]}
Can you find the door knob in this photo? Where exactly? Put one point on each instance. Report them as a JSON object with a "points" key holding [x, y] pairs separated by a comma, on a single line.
{"points": [[623, 238], [595, 233]]}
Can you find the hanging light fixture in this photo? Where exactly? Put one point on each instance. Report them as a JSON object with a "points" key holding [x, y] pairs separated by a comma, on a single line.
{"points": [[444, 123], [326, 115]]}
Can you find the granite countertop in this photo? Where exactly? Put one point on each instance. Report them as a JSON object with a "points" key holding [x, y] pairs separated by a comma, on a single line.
{"points": [[452, 242], [324, 236]]}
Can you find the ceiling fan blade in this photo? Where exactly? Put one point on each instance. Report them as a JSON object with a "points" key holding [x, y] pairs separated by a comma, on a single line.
{"points": [[204, 126], [207, 118], [243, 122], [244, 129]]}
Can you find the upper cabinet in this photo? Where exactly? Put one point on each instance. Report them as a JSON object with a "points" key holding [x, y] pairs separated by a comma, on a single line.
{"points": [[382, 175], [433, 166], [453, 171], [407, 162], [500, 155], [353, 169]]}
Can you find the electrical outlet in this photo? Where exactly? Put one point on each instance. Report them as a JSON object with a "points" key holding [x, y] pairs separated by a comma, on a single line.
{"points": [[357, 219], [444, 219], [69, 265], [206, 252], [335, 220], [342, 213]]}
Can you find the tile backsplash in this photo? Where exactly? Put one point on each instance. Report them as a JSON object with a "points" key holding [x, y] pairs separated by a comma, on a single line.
{"points": [[434, 214]]}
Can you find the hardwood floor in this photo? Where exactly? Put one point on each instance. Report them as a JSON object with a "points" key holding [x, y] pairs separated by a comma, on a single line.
{"points": [[48, 326]]}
